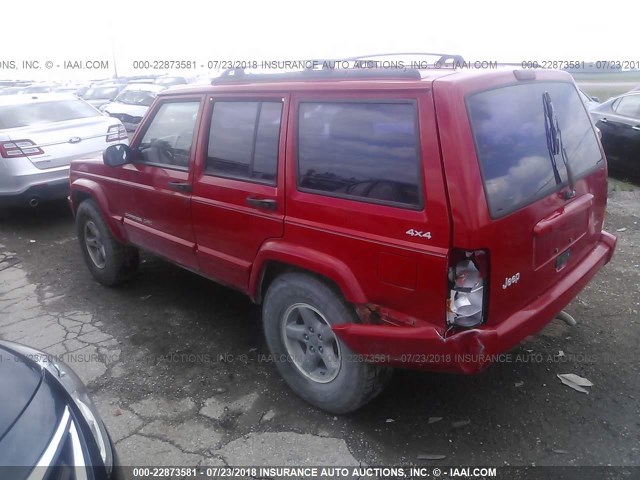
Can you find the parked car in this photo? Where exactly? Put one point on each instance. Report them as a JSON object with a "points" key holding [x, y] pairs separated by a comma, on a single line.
{"points": [[66, 89], [103, 94], [49, 427], [12, 90], [40, 88], [132, 103], [171, 80], [39, 136], [619, 121], [381, 218]]}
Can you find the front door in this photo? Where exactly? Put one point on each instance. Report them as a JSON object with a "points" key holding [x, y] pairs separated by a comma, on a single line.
{"points": [[156, 187]]}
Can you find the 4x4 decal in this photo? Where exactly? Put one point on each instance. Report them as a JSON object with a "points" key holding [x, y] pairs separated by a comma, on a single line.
{"points": [[417, 233]]}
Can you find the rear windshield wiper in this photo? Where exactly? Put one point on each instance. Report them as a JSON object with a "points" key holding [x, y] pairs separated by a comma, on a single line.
{"points": [[556, 146]]}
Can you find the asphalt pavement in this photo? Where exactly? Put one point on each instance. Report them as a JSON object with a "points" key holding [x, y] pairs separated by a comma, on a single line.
{"points": [[176, 365]]}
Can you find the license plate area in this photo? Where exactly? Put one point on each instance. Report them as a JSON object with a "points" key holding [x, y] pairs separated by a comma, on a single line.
{"points": [[562, 259]]}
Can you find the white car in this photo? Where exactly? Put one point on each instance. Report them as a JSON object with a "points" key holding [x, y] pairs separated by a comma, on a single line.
{"points": [[132, 103], [40, 134]]}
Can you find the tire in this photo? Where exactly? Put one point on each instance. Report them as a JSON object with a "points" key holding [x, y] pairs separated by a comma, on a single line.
{"points": [[342, 383], [110, 262]]}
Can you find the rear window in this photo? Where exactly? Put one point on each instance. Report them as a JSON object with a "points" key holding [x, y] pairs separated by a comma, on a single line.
{"points": [[508, 125], [363, 151], [28, 114]]}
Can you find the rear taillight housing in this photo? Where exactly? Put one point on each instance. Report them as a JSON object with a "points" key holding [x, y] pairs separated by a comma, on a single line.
{"points": [[19, 148], [466, 305], [116, 132]]}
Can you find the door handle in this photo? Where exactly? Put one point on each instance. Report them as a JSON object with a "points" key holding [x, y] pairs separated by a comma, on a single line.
{"points": [[604, 120], [266, 203], [180, 186], [636, 127]]}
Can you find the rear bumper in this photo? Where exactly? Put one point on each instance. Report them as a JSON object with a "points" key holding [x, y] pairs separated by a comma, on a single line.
{"points": [[472, 350], [41, 192]]}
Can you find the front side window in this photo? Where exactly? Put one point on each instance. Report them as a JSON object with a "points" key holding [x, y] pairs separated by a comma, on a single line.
{"points": [[169, 138], [513, 145], [243, 141], [363, 151]]}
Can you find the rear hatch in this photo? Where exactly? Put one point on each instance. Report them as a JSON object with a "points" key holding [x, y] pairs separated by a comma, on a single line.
{"points": [[52, 133], [511, 191]]}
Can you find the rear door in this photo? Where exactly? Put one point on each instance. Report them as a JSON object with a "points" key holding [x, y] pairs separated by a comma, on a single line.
{"points": [[509, 193], [238, 193], [154, 194]]}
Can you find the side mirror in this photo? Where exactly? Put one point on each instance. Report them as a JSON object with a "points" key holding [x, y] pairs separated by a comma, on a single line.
{"points": [[117, 155]]}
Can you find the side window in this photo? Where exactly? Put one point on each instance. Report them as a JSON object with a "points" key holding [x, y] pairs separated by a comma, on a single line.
{"points": [[364, 151], [243, 141], [629, 106], [169, 138]]}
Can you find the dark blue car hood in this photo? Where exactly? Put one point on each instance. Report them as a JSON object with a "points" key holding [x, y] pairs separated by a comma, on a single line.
{"points": [[19, 381]]}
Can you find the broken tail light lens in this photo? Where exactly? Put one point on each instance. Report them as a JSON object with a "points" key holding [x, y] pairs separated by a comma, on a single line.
{"points": [[19, 148], [116, 132], [467, 281]]}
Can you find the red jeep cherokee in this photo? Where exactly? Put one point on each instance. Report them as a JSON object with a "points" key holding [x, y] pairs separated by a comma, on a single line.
{"points": [[381, 218]]}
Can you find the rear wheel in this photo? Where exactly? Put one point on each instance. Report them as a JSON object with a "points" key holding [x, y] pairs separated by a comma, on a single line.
{"points": [[109, 261], [298, 313]]}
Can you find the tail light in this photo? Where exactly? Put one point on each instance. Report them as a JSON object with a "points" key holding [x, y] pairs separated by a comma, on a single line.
{"points": [[19, 148], [466, 304], [116, 132]]}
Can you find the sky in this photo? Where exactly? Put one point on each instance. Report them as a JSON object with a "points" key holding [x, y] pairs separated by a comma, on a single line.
{"points": [[140, 30]]}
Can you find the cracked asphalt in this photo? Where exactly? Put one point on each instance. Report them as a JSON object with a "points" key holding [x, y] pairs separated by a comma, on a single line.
{"points": [[176, 367]]}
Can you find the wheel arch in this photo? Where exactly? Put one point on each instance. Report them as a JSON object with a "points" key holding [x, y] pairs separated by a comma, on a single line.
{"points": [[83, 189], [276, 257]]}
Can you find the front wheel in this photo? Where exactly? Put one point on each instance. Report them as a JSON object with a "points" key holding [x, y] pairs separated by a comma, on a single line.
{"points": [[298, 313], [109, 261]]}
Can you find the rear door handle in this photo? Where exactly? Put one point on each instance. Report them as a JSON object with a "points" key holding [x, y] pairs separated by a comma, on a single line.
{"points": [[604, 120], [636, 127], [180, 186], [265, 203]]}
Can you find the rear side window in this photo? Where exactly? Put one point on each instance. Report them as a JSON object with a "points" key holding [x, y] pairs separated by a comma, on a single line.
{"points": [[629, 106], [243, 141], [508, 124], [364, 151], [39, 113]]}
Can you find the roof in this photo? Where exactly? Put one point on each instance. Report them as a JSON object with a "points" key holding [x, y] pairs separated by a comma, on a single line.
{"points": [[311, 82]]}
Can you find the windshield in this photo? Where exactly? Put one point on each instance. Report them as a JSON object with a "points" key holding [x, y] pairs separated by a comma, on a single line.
{"points": [[136, 97], [100, 93], [14, 116], [509, 126]]}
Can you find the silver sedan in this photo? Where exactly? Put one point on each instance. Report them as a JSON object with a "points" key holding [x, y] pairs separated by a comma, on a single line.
{"points": [[40, 134]]}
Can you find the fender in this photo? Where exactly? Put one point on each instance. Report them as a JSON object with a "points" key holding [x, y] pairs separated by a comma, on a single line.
{"points": [[306, 259], [96, 192]]}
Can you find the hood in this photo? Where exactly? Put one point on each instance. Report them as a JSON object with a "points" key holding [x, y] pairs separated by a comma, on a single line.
{"points": [[21, 379], [123, 108]]}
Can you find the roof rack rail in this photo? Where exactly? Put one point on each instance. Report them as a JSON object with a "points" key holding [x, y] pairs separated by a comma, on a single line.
{"points": [[239, 75], [443, 57], [233, 75]]}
